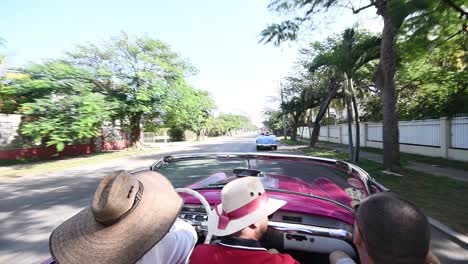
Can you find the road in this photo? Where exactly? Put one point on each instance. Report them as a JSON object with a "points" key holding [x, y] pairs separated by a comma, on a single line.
{"points": [[31, 207]]}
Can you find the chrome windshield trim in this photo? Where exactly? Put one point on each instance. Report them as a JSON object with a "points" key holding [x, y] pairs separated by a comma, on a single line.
{"points": [[243, 155], [312, 230], [363, 175], [226, 155]]}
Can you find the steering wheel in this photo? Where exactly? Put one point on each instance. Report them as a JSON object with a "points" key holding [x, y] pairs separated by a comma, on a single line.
{"points": [[203, 201]]}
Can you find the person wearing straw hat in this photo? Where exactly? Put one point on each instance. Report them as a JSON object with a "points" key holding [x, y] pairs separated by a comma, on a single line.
{"points": [[132, 219], [241, 220]]}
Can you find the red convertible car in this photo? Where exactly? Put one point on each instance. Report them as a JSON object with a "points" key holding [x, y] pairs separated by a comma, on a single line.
{"points": [[320, 193]]}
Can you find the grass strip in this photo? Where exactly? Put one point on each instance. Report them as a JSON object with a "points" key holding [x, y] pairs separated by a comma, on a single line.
{"points": [[439, 197], [28, 167]]}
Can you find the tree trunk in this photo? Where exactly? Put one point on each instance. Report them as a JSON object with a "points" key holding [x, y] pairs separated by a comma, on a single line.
{"points": [[349, 114], [322, 110], [294, 132], [135, 130], [356, 120], [302, 133], [385, 82]]}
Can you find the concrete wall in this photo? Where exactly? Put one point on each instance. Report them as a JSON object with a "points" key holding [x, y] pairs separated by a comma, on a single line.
{"points": [[8, 128]]}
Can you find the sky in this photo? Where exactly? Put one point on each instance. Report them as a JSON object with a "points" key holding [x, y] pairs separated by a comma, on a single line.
{"points": [[219, 37]]}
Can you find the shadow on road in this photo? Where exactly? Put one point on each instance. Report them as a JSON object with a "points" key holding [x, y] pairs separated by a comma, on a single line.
{"points": [[31, 207], [31, 210]]}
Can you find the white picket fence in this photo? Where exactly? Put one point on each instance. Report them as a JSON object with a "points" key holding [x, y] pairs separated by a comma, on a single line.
{"points": [[447, 138], [417, 132], [151, 138], [459, 133]]}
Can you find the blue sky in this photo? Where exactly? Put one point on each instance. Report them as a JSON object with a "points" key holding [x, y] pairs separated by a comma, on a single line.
{"points": [[218, 37]]}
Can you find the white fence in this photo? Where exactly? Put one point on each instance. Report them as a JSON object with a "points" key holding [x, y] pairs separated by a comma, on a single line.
{"points": [[459, 133], [446, 138], [418, 132], [374, 132], [151, 137], [334, 132]]}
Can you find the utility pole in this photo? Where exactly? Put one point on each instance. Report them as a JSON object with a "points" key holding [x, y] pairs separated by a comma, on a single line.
{"points": [[284, 115]]}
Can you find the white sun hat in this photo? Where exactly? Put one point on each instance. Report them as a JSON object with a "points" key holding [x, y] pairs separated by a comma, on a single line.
{"points": [[243, 202]]}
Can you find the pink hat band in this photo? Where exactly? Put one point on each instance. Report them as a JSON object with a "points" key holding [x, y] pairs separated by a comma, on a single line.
{"points": [[242, 211]]}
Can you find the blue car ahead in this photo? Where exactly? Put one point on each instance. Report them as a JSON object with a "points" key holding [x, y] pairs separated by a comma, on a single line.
{"points": [[267, 141]]}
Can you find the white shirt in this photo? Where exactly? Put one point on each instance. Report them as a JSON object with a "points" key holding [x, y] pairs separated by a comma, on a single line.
{"points": [[175, 247], [345, 261]]}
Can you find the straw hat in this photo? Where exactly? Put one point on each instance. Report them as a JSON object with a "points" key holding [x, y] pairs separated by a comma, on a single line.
{"points": [[244, 202], [129, 214]]}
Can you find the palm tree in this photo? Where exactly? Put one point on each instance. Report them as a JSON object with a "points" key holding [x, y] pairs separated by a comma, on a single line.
{"points": [[347, 56], [301, 95]]}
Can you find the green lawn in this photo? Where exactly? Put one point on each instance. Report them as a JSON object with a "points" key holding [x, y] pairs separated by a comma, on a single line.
{"points": [[289, 141], [425, 159], [27, 167], [439, 197]]}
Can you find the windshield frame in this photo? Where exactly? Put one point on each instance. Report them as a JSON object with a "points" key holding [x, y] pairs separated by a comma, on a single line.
{"points": [[340, 165]]}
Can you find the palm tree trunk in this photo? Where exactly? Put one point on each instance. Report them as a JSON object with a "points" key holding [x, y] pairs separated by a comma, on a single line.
{"points": [[388, 63], [349, 114], [356, 120], [334, 87]]}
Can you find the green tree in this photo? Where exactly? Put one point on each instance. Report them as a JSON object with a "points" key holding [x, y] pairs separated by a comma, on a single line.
{"points": [[272, 120], [394, 13], [191, 110], [60, 107], [225, 124], [300, 94], [433, 79], [137, 73], [351, 52]]}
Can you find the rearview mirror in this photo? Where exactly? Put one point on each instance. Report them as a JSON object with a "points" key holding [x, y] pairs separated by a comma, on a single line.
{"points": [[247, 172]]}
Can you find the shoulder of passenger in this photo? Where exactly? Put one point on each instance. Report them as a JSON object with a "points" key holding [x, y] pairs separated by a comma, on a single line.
{"points": [[285, 258], [201, 252]]}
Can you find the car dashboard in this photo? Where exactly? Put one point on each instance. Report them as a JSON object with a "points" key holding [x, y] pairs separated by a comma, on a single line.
{"points": [[288, 231]]}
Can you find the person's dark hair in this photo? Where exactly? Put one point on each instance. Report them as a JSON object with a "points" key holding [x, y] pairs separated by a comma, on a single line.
{"points": [[394, 230]]}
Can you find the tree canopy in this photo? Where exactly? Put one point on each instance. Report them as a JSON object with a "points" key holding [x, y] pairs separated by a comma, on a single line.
{"points": [[127, 80], [139, 74], [59, 104], [225, 124], [419, 14]]}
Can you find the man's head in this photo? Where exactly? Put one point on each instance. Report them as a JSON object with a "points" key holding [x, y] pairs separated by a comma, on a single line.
{"points": [[390, 229], [245, 206], [254, 231]]}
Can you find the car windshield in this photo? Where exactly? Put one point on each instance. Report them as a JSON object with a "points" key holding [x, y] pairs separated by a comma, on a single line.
{"points": [[310, 177]]}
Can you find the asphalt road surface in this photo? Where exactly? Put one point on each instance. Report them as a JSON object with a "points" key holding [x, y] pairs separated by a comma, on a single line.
{"points": [[31, 207]]}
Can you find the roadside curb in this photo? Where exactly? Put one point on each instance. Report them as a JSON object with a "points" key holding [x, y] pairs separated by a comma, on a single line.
{"points": [[456, 237]]}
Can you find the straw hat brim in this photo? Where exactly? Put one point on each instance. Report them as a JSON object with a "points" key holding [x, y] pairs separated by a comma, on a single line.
{"points": [[81, 239], [238, 224]]}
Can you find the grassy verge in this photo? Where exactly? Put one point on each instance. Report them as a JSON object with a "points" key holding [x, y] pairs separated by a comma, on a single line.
{"points": [[425, 159], [27, 167], [289, 141], [437, 196]]}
